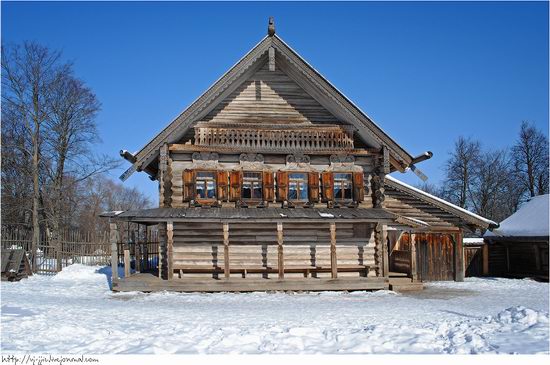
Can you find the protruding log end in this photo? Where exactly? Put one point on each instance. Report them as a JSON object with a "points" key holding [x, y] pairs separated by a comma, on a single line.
{"points": [[271, 27]]}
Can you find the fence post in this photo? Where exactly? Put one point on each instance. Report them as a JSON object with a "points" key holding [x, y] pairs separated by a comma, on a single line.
{"points": [[114, 252]]}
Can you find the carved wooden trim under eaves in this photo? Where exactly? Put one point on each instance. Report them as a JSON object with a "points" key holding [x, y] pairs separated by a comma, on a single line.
{"points": [[276, 138]]}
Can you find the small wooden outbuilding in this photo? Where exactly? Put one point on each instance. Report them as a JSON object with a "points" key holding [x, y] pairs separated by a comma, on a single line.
{"points": [[519, 246], [15, 264]]}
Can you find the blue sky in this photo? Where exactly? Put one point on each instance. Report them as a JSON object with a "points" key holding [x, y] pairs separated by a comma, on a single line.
{"points": [[426, 72]]}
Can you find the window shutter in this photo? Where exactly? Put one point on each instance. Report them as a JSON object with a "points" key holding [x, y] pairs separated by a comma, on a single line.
{"points": [[358, 187], [282, 186], [235, 183], [268, 188], [327, 180], [221, 181], [188, 185], [313, 185]]}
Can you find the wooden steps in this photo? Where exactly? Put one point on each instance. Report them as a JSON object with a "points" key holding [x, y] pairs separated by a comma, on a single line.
{"points": [[400, 282]]}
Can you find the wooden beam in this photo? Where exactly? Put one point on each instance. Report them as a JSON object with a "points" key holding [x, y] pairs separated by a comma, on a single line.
{"points": [[333, 258], [538, 260], [231, 150], [170, 249], [413, 256], [126, 263], [137, 253], [271, 54], [508, 266], [226, 268], [485, 255], [162, 250], [385, 256], [280, 252], [459, 257], [113, 237]]}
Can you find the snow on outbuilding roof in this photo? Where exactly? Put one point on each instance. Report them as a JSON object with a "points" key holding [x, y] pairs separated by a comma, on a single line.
{"points": [[453, 209], [531, 220]]}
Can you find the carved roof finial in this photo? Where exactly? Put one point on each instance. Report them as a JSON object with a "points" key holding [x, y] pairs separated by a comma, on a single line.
{"points": [[271, 27]]}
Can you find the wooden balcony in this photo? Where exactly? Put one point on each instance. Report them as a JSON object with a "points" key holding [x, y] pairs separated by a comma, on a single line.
{"points": [[270, 137]]}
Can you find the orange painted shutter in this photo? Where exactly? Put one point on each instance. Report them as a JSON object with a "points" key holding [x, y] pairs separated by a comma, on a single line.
{"points": [[235, 183], [282, 186], [188, 185], [268, 188], [327, 180], [222, 183], [358, 187], [313, 185]]}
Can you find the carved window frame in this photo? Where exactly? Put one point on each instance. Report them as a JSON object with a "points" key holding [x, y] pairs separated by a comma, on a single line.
{"points": [[258, 181], [215, 188], [341, 182], [304, 181]]}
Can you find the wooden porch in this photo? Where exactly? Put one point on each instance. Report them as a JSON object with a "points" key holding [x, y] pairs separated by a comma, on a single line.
{"points": [[258, 249], [151, 283]]}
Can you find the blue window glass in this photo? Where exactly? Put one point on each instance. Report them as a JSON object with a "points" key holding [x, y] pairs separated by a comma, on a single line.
{"points": [[297, 186], [205, 183]]}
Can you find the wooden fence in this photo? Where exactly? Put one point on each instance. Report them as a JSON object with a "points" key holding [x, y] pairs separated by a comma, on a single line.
{"points": [[74, 247]]}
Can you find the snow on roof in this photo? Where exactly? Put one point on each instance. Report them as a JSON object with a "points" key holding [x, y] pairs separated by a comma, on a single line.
{"points": [[444, 202], [531, 220], [472, 241]]}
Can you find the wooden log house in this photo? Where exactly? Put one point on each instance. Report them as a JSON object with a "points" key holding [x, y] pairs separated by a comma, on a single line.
{"points": [[274, 180]]}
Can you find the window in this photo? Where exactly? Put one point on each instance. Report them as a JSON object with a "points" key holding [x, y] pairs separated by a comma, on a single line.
{"points": [[206, 185], [343, 186], [252, 186], [297, 186]]}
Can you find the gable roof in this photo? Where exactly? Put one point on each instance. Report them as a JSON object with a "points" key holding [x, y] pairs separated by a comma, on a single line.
{"points": [[531, 220], [454, 210], [303, 74]]}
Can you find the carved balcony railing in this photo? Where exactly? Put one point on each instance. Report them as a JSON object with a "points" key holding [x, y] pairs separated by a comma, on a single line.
{"points": [[275, 137]]}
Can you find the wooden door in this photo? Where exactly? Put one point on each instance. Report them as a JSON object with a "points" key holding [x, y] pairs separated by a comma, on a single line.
{"points": [[434, 257]]}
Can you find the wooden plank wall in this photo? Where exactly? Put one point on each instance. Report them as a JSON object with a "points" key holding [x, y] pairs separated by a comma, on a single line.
{"points": [[473, 260], [270, 95], [254, 245], [518, 259]]}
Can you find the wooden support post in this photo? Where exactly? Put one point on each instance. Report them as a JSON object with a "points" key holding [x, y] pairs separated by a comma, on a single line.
{"points": [[170, 250], [508, 266], [113, 238], [385, 255], [126, 263], [485, 255], [413, 256], [538, 259], [459, 257], [162, 250], [280, 252], [137, 251], [333, 258], [226, 268]]}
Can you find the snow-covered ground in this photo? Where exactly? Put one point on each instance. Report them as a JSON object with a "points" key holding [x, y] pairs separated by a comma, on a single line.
{"points": [[74, 312]]}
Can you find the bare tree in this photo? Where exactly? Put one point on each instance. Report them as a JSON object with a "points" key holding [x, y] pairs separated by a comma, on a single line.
{"points": [[103, 194], [71, 134], [530, 157], [27, 75], [490, 185], [48, 133], [429, 188], [459, 171]]}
